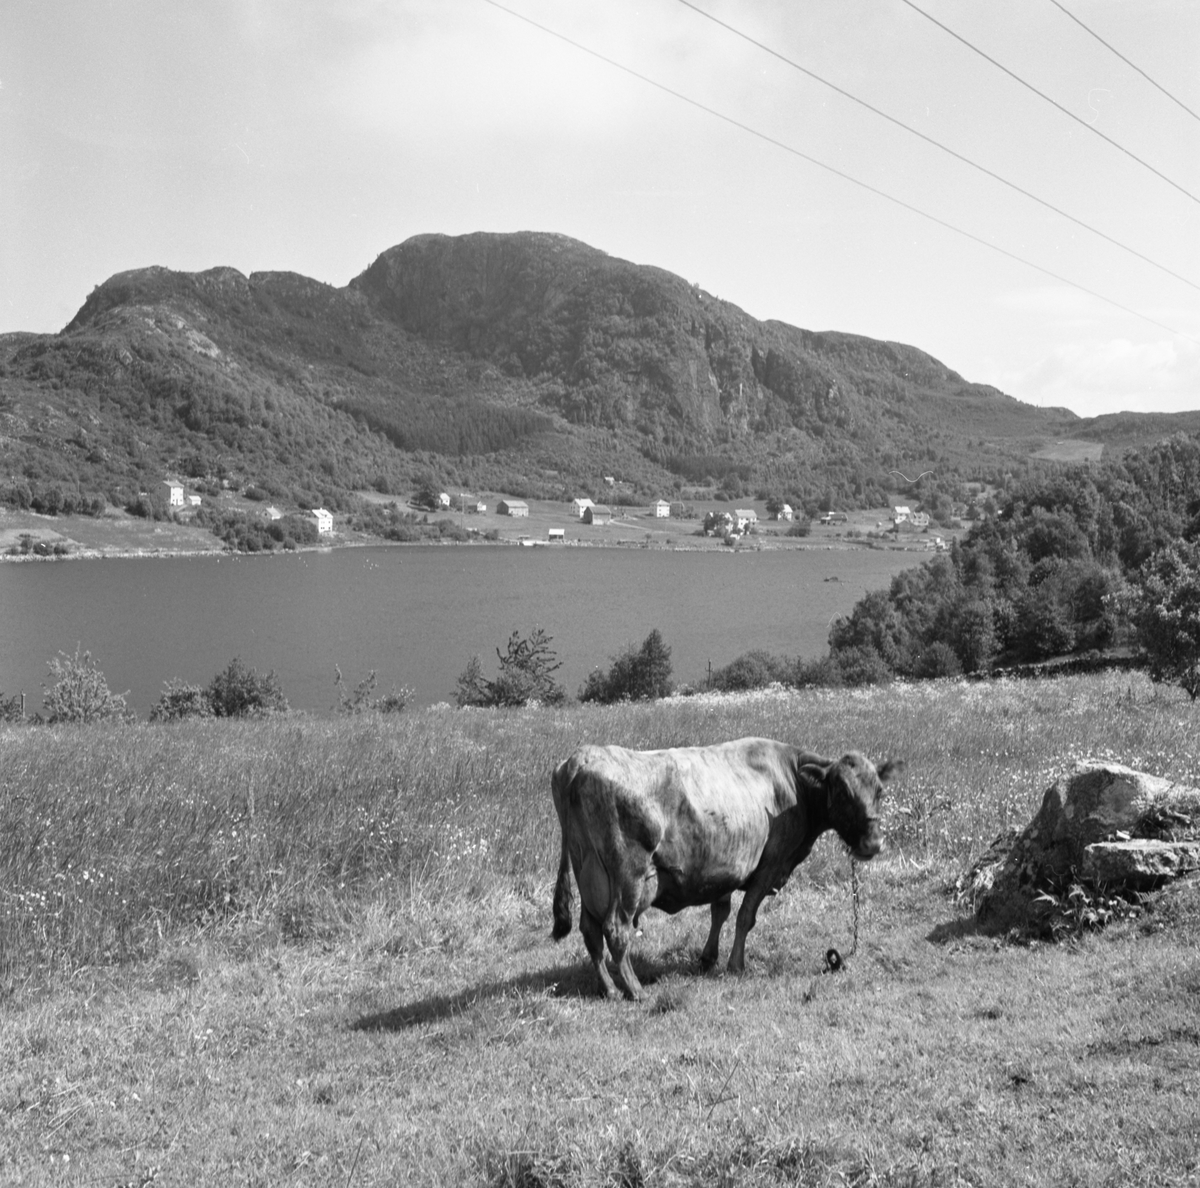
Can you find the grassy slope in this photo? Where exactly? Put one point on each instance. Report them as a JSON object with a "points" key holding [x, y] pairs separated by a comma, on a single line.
{"points": [[385, 1006]]}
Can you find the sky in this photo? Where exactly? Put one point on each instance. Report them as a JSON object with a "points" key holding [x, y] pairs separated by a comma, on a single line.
{"points": [[311, 135]]}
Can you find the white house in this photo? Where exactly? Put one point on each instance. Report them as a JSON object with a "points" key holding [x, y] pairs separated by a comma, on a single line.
{"points": [[581, 505], [324, 520], [745, 517], [559, 534], [662, 510], [919, 519], [481, 507], [174, 493], [444, 499], [786, 513], [901, 514], [273, 513], [193, 500]]}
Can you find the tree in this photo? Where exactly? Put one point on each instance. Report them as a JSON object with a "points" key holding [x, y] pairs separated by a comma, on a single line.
{"points": [[637, 674], [526, 674], [80, 692], [241, 692], [427, 491], [1164, 607]]}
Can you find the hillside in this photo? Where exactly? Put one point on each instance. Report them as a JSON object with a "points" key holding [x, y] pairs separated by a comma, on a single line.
{"points": [[529, 363]]}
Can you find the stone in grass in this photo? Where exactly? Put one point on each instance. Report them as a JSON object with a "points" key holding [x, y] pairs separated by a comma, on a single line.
{"points": [[1102, 824]]}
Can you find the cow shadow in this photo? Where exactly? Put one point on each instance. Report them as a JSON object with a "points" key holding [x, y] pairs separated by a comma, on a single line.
{"points": [[574, 979]]}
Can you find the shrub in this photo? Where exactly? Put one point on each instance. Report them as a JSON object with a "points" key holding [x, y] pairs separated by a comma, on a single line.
{"points": [[753, 670], [360, 701], [241, 692], [180, 700], [80, 692], [637, 674], [526, 674]]}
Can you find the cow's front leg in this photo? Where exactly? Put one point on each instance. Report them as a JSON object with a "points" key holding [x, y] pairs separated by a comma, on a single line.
{"points": [[619, 933], [746, 916], [720, 913], [593, 938]]}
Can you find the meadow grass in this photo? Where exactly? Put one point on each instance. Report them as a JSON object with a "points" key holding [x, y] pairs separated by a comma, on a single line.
{"points": [[316, 952]]}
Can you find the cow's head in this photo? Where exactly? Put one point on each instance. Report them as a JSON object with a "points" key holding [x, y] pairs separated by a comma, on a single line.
{"points": [[853, 789]]}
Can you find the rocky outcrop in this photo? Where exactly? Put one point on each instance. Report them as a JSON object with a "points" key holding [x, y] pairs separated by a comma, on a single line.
{"points": [[1102, 825]]}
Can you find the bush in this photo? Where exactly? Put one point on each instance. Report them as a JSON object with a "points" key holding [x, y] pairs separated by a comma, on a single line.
{"points": [[241, 692], [80, 693], [753, 670], [800, 526], [360, 701], [180, 700], [637, 674], [526, 674]]}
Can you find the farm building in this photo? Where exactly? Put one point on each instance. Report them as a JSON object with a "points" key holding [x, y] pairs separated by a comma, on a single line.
{"points": [[581, 505], [679, 509], [193, 500], [512, 507], [324, 520], [662, 510], [174, 493], [901, 514], [556, 534], [833, 517], [598, 513]]}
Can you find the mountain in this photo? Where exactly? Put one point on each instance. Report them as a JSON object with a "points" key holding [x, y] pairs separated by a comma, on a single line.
{"points": [[529, 363]]}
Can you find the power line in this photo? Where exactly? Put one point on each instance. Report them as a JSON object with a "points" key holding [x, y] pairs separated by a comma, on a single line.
{"points": [[938, 144], [1053, 102], [795, 152], [1113, 50]]}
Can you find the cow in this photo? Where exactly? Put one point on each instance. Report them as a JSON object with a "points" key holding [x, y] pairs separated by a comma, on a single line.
{"points": [[690, 825]]}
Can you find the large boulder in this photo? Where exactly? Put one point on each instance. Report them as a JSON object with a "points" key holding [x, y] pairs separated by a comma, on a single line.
{"points": [[1102, 825]]}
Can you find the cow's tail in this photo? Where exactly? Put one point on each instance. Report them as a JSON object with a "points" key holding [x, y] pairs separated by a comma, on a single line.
{"points": [[563, 897]]}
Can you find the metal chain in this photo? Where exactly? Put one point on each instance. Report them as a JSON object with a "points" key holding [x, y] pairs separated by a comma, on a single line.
{"points": [[834, 961], [854, 895]]}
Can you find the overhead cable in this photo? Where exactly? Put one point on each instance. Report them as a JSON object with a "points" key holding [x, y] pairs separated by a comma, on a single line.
{"points": [[1053, 102], [937, 143], [1113, 50], [795, 152]]}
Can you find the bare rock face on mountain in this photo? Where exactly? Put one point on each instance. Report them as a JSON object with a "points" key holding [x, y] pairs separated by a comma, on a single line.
{"points": [[1103, 825]]}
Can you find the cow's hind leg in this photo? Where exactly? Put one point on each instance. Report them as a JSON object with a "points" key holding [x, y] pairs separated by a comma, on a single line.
{"points": [[593, 938], [720, 913]]}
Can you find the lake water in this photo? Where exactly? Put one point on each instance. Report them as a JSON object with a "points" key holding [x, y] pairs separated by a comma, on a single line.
{"points": [[417, 614]]}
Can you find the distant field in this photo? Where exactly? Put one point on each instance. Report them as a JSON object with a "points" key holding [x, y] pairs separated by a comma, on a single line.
{"points": [[1069, 450], [310, 952]]}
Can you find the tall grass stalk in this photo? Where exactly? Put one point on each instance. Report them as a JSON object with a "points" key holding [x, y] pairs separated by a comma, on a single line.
{"points": [[113, 839]]}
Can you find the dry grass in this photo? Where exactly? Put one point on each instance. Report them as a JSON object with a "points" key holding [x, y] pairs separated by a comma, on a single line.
{"points": [[312, 952]]}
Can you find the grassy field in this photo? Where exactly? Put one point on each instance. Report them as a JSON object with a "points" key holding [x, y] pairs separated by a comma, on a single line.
{"points": [[311, 952]]}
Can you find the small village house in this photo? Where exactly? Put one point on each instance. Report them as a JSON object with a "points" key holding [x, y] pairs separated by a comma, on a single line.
{"points": [[481, 507], [273, 513], [745, 518], [919, 519], [512, 507], [443, 499], [556, 534], [662, 510], [174, 493], [581, 505], [901, 514], [786, 513], [193, 500], [324, 520]]}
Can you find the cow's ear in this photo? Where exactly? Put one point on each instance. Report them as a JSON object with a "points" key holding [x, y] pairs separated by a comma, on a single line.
{"points": [[812, 775], [892, 768]]}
